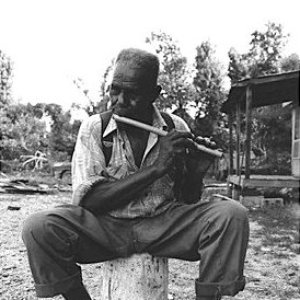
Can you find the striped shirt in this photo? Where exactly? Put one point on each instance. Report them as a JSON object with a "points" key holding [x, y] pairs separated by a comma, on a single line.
{"points": [[89, 167]]}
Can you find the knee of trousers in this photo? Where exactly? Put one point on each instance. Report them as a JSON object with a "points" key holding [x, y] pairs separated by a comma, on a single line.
{"points": [[41, 228], [34, 225], [228, 210]]}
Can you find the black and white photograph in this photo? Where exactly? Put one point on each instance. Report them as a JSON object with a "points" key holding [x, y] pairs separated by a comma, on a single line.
{"points": [[149, 150]]}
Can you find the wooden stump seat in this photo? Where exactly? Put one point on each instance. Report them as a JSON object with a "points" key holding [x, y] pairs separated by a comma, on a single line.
{"points": [[139, 277]]}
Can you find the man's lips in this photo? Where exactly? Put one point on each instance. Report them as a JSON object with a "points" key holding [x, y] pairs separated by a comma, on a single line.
{"points": [[121, 110]]}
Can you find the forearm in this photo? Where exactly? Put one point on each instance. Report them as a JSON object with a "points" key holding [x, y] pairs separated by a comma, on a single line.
{"points": [[196, 169], [104, 197], [192, 187]]}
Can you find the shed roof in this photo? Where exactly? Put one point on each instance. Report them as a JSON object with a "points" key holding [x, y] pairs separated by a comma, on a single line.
{"points": [[266, 90]]}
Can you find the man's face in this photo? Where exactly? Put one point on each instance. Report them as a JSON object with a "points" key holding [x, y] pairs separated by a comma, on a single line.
{"points": [[129, 96], [129, 102]]}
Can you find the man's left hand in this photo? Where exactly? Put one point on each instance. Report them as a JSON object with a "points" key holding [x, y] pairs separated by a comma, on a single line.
{"points": [[198, 162]]}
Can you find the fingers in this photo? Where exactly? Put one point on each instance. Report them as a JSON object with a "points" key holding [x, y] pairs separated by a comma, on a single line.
{"points": [[174, 134], [179, 141], [207, 142], [184, 143]]}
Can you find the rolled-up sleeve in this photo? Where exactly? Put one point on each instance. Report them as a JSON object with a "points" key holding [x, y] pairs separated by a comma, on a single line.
{"points": [[88, 161]]}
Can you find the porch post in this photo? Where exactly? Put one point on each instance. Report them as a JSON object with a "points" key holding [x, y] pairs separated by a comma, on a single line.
{"points": [[230, 124], [238, 138], [248, 129]]}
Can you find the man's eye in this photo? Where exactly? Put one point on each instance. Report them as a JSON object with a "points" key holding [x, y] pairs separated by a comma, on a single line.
{"points": [[132, 95], [114, 91]]}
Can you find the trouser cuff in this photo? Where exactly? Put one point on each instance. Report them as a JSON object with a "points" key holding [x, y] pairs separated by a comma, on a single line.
{"points": [[216, 290], [60, 287]]}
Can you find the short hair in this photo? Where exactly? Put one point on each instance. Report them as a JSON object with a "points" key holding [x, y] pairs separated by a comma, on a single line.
{"points": [[141, 58], [146, 62]]}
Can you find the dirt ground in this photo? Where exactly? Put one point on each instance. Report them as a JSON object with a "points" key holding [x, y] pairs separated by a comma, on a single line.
{"points": [[272, 264]]}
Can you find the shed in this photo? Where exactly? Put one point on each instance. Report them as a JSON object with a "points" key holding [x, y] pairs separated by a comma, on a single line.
{"points": [[246, 94]]}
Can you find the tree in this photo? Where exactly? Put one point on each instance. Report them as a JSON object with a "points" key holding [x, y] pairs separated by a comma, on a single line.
{"points": [[5, 96], [272, 134], [95, 106], [270, 123], [21, 131], [208, 81], [92, 106], [290, 63], [25, 132], [238, 65], [266, 49], [5, 79], [263, 56], [62, 137], [175, 76], [104, 88]]}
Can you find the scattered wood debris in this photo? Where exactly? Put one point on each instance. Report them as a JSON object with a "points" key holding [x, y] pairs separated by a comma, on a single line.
{"points": [[13, 207], [24, 186]]}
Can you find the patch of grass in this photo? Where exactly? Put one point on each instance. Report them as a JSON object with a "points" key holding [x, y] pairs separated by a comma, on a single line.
{"points": [[278, 228]]}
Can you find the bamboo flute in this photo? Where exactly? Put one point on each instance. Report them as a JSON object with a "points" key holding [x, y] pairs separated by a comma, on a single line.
{"points": [[161, 132]]}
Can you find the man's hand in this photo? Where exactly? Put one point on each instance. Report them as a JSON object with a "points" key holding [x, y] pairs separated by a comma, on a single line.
{"points": [[198, 162], [172, 146]]}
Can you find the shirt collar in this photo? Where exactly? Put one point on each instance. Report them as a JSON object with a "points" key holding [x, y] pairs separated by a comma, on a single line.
{"points": [[111, 126], [158, 121]]}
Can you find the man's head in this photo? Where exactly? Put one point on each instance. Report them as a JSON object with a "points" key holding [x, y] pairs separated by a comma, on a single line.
{"points": [[134, 84]]}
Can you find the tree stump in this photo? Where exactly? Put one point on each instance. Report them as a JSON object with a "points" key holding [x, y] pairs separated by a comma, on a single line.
{"points": [[139, 277]]}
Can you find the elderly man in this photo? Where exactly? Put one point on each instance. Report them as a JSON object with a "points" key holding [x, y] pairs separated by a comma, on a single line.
{"points": [[129, 201]]}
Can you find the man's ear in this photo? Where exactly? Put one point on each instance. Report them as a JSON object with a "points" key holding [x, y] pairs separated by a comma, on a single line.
{"points": [[156, 92]]}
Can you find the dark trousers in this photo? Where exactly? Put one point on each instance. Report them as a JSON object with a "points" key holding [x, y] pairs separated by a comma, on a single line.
{"points": [[216, 233]]}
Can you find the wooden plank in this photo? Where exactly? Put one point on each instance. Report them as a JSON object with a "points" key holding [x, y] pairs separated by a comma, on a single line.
{"points": [[272, 177], [271, 183], [265, 181], [248, 130]]}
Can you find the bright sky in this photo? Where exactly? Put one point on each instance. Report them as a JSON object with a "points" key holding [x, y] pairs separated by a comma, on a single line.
{"points": [[51, 42]]}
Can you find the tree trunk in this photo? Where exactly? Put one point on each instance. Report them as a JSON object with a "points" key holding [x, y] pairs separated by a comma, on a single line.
{"points": [[139, 277]]}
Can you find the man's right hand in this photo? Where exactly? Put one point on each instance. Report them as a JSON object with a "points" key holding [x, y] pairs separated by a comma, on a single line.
{"points": [[171, 146]]}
